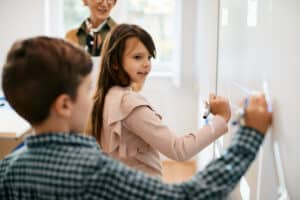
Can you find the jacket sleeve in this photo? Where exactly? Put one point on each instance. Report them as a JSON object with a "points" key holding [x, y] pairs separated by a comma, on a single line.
{"points": [[72, 37], [144, 122]]}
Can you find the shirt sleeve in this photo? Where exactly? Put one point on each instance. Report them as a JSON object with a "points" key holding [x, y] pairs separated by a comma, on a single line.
{"points": [[113, 180], [144, 122], [2, 175]]}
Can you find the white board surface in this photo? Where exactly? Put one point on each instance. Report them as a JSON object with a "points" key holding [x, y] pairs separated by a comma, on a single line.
{"points": [[259, 42]]}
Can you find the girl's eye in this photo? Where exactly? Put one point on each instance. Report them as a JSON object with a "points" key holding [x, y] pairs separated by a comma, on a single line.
{"points": [[137, 57]]}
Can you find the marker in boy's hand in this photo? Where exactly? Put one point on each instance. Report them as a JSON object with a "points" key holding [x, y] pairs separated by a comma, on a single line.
{"points": [[240, 112], [220, 106]]}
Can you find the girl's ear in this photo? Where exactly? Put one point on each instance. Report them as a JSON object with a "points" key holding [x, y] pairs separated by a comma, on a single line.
{"points": [[63, 105]]}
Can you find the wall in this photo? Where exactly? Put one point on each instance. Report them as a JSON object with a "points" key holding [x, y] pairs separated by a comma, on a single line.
{"points": [[206, 54], [18, 21], [178, 103], [259, 42]]}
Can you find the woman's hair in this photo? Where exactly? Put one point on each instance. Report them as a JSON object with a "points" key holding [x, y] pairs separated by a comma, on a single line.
{"points": [[112, 71]]}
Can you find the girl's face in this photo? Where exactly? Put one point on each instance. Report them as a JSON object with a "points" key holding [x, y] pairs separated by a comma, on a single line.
{"points": [[136, 60]]}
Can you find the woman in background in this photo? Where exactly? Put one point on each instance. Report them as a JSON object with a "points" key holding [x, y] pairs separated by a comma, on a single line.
{"points": [[92, 32]]}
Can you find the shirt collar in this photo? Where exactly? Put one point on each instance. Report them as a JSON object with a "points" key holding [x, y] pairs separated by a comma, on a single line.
{"points": [[109, 23], [45, 139], [94, 30]]}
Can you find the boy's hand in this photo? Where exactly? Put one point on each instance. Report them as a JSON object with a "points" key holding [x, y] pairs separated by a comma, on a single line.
{"points": [[257, 115], [220, 106]]}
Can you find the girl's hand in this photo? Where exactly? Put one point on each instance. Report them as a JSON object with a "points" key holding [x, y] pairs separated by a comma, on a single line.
{"points": [[220, 106]]}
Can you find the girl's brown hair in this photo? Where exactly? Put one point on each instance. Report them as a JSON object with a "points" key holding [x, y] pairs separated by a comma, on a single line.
{"points": [[112, 72]]}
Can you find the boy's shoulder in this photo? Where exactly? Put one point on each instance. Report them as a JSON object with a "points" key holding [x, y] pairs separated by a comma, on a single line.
{"points": [[15, 154], [75, 149], [10, 159]]}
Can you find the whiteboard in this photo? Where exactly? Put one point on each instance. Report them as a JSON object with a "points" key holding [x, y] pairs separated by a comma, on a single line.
{"points": [[259, 41]]}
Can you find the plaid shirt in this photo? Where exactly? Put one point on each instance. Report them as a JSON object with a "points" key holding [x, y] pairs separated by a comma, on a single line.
{"points": [[71, 166]]}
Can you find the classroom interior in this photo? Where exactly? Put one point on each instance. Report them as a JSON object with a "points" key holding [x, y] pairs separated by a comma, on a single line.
{"points": [[227, 47]]}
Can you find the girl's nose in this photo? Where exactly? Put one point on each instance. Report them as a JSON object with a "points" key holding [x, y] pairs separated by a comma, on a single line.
{"points": [[147, 63]]}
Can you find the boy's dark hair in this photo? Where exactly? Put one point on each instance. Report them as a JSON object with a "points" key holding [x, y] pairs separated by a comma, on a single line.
{"points": [[37, 70], [111, 58]]}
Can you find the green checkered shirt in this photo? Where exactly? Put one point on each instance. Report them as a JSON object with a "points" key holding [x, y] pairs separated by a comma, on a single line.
{"points": [[72, 166]]}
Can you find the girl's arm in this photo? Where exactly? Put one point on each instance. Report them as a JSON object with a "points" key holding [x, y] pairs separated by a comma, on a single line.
{"points": [[144, 122]]}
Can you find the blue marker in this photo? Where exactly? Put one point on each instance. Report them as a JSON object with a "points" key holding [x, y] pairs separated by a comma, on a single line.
{"points": [[241, 112], [206, 112]]}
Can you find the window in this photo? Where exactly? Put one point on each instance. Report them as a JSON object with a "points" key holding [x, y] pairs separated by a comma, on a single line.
{"points": [[161, 18]]}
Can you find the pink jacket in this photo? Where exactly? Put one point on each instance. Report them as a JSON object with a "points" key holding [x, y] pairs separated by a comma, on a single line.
{"points": [[134, 134]]}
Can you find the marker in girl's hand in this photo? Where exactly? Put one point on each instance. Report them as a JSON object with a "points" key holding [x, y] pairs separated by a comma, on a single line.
{"points": [[206, 111]]}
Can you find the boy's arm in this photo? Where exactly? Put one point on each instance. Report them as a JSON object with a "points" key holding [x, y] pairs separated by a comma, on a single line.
{"points": [[219, 178], [114, 180], [2, 171]]}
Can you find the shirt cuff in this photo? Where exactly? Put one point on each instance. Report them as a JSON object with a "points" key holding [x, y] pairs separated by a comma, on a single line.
{"points": [[218, 125], [248, 138]]}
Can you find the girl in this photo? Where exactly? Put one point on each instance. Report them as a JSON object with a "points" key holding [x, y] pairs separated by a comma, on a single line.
{"points": [[125, 124]]}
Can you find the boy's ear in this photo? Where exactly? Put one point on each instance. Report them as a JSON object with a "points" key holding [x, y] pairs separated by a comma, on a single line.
{"points": [[63, 105]]}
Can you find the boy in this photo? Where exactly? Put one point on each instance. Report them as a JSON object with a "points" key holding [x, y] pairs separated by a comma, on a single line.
{"points": [[47, 81], [92, 32]]}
